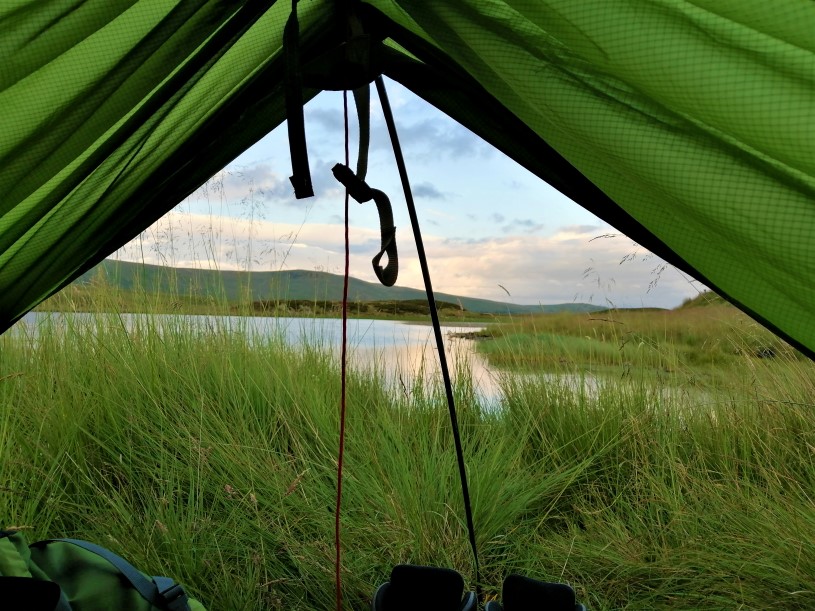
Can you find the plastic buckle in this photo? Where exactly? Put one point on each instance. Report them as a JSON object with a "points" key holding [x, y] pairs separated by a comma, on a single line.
{"points": [[175, 598]]}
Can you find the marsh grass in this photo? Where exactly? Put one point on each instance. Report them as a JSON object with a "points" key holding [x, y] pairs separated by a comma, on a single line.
{"points": [[210, 456], [706, 347]]}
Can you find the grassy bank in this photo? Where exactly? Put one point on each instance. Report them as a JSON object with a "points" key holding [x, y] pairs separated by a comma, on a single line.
{"points": [[211, 458], [693, 346], [101, 297]]}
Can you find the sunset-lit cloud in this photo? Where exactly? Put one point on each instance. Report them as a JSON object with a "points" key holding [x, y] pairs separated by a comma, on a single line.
{"points": [[487, 222], [569, 265]]}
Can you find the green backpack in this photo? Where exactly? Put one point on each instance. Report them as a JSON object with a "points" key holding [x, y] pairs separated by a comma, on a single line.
{"points": [[73, 575]]}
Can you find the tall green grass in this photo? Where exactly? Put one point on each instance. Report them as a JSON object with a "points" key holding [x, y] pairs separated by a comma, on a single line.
{"points": [[706, 347], [211, 456]]}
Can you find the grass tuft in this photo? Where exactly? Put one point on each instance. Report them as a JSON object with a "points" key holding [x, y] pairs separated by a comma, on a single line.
{"points": [[210, 455]]}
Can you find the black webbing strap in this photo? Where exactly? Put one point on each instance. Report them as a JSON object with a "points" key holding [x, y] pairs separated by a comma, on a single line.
{"points": [[301, 175], [362, 100], [360, 191], [161, 592], [434, 315]]}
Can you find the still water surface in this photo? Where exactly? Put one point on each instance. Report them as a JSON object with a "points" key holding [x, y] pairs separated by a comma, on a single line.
{"points": [[402, 352]]}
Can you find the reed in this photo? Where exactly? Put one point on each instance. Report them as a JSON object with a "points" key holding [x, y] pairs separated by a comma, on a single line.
{"points": [[210, 455]]}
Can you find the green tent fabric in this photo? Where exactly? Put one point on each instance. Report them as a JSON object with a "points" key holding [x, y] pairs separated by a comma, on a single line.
{"points": [[688, 125]]}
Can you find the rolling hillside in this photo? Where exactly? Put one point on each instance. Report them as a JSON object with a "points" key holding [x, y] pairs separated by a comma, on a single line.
{"points": [[287, 285]]}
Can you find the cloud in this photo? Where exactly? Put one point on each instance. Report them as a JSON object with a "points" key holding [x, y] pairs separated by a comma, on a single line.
{"points": [[329, 119], [249, 181], [593, 230], [423, 132], [428, 191], [434, 136], [242, 187], [554, 269], [565, 267], [523, 225]]}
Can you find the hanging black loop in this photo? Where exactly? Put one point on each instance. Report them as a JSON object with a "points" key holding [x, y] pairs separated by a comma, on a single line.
{"points": [[361, 192], [301, 175], [357, 187], [362, 100]]}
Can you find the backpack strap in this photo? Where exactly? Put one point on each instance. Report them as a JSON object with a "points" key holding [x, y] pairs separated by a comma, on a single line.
{"points": [[161, 592]]}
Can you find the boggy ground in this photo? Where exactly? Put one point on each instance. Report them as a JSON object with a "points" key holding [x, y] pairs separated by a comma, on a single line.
{"points": [[210, 458]]}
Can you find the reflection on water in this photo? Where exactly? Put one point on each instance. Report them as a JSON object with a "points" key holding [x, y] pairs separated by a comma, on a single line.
{"points": [[402, 353], [405, 365]]}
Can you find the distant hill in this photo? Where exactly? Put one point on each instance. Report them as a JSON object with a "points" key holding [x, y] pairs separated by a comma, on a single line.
{"points": [[705, 298], [287, 285]]}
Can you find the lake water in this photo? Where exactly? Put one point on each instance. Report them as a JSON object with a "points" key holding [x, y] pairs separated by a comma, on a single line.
{"points": [[400, 351], [403, 353]]}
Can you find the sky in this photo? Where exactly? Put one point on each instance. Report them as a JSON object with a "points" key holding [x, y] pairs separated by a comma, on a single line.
{"points": [[491, 229]]}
